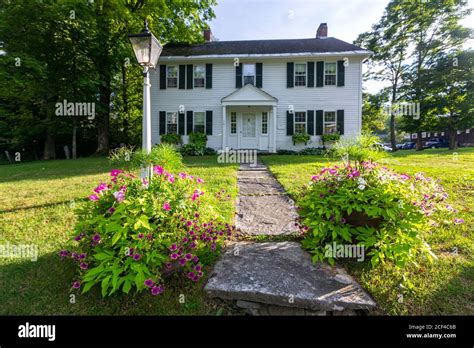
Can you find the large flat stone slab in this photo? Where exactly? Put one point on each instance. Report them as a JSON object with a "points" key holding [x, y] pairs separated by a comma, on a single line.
{"points": [[282, 275], [266, 215], [258, 185]]}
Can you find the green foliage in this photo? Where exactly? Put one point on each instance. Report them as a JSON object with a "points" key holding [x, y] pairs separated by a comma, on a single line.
{"points": [[300, 138], [305, 152], [133, 233], [385, 212], [197, 145], [326, 138], [163, 154], [373, 115], [171, 138], [357, 149]]}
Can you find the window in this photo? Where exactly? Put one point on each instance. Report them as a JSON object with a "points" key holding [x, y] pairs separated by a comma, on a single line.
{"points": [[199, 75], [300, 74], [233, 123], [199, 122], [172, 122], [300, 122], [264, 122], [172, 76], [249, 74], [330, 70], [330, 124]]}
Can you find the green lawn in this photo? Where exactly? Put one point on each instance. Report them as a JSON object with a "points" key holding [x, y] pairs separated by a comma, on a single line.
{"points": [[444, 287], [36, 208]]}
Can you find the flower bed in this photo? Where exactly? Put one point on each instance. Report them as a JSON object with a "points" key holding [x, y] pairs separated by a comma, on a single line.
{"points": [[372, 206], [133, 232]]}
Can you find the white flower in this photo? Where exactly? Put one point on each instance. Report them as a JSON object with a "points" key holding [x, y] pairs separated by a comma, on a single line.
{"points": [[362, 182], [361, 187]]}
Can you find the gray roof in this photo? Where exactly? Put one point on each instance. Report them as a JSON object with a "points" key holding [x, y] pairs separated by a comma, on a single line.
{"points": [[329, 44]]}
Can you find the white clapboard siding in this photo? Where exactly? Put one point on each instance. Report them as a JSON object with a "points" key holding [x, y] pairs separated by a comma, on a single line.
{"points": [[328, 98]]}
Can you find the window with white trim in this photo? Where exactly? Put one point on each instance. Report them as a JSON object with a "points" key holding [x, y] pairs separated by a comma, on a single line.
{"points": [[300, 74], [300, 122], [233, 123], [265, 122], [199, 122], [248, 72], [329, 122], [199, 75], [330, 72], [171, 76], [171, 122]]}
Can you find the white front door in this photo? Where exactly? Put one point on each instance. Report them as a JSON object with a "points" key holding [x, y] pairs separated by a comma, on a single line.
{"points": [[248, 135]]}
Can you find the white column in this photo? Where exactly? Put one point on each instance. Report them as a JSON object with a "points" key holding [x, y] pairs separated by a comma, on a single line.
{"points": [[146, 124], [224, 127], [274, 136]]}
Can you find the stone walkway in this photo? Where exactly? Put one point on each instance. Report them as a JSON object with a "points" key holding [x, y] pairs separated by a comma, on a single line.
{"points": [[278, 278]]}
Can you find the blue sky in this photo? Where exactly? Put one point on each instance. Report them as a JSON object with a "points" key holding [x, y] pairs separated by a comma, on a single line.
{"points": [[291, 19]]}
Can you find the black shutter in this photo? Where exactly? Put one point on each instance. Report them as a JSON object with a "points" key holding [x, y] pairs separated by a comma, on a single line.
{"points": [[310, 74], [238, 76], [290, 70], [182, 77], [289, 123], [340, 121], [340, 73], [162, 76], [319, 122], [259, 70], [189, 121], [209, 122], [208, 76], [319, 74], [311, 122], [181, 123], [162, 122], [189, 76]]}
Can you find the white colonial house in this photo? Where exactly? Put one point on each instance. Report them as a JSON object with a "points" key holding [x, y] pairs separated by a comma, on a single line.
{"points": [[257, 94]]}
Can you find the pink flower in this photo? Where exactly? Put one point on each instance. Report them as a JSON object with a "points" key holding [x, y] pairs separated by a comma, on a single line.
{"points": [[102, 186], [332, 171], [144, 182], [182, 175], [119, 196], [171, 179], [166, 206], [158, 170], [315, 178], [94, 197], [115, 172], [199, 180]]}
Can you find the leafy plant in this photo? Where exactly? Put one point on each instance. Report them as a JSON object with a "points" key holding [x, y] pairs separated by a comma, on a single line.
{"points": [[163, 154], [171, 138], [198, 138], [326, 138], [385, 212], [196, 146], [300, 138], [354, 150], [311, 151], [134, 232]]}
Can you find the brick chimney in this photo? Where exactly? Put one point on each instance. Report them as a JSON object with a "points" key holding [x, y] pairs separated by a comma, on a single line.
{"points": [[208, 37], [322, 32]]}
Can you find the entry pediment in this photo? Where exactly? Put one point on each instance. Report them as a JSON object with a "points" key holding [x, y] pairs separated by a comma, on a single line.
{"points": [[249, 94]]}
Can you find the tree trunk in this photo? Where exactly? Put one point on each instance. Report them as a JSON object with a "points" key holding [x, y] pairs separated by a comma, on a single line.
{"points": [[453, 139], [74, 139], [419, 141], [49, 147], [393, 140], [103, 144]]}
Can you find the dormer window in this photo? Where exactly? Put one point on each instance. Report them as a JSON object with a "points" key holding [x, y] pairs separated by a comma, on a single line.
{"points": [[249, 74]]}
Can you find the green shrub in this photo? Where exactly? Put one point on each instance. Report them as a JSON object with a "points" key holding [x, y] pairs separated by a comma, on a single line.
{"points": [[196, 146], [354, 150], [300, 138], [198, 138], [311, 151], [385, 212], [326, 138], [163, 154], [132, 233], [171, 138]]}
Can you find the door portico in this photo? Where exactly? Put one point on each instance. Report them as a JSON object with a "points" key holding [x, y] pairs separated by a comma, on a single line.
{"points": [[249, 120]]}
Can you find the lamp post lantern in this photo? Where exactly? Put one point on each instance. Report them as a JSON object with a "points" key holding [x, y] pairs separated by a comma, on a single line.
{"points": [[147, 50]]}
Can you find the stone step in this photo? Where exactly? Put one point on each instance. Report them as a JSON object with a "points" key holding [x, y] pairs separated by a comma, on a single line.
{"points": [[280, 279]]}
